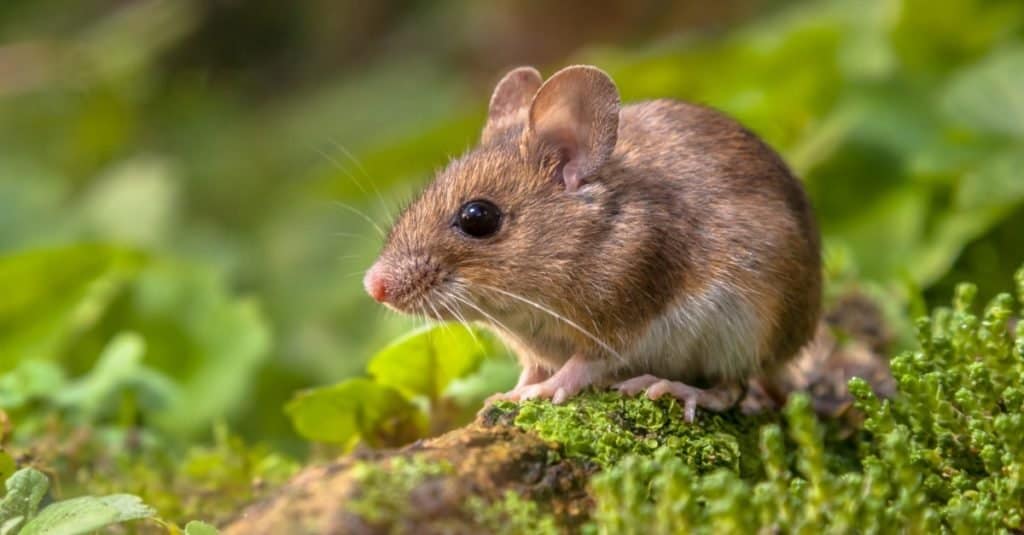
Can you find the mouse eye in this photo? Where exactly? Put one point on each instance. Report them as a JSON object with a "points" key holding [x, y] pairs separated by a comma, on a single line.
{"points": [[479, 219]]}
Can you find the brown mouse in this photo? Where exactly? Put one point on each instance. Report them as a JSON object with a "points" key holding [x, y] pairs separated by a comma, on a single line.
{"points": [[657, 246]]}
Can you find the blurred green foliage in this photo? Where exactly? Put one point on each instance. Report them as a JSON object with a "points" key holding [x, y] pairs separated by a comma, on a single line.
{"points": [[189, 191]]}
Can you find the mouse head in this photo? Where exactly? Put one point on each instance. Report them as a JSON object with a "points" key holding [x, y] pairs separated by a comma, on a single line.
{"points": [[511, 219]]}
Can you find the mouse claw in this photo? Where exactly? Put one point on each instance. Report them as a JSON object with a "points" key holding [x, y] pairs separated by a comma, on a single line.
{"points": [[568, 381], [716, 399], [531, 392], [634, 386]]}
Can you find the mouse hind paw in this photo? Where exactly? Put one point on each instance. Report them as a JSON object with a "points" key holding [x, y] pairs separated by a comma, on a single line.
{"points": [[717, 399]]}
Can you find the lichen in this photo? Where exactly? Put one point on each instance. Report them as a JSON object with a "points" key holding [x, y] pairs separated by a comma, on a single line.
{"points": [[604, 427], [510, 515], [385, 488]]}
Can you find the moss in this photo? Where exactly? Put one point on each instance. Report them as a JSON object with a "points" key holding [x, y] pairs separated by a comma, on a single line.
{"points": [[604, 427], [946, 454], [511, 515], [386, 488]]}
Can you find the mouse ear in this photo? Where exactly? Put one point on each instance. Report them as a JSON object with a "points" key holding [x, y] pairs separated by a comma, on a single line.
{"points": [[510, 100], [574, 123]]}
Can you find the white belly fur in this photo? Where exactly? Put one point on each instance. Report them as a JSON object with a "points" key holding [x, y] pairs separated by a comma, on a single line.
{"points": [[713, 335]]}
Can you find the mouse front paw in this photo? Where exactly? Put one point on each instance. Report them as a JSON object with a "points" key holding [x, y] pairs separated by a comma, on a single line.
{"points": [[715, 399], [575, 375]]}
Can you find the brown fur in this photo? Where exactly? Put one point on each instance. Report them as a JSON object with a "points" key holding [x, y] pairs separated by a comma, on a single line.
{"points": [[684, 200]]}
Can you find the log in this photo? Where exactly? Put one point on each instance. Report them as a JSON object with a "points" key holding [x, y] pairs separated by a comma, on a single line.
{"points": [[526, 467]]}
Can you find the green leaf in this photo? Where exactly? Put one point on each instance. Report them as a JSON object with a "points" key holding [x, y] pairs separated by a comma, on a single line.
{"points": [[987, 96], [53, 294], [196, 527], [10, 527], [349, 410], [951, 232], [118, 370], [31, 379], [86, 514], [998, 181], [120, 362], [426, 361], [7, 464], [883, 235], [210, 342], [25, 489]]}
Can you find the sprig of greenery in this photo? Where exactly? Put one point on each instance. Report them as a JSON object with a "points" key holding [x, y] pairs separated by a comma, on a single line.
{"points": [[945, 454], [407, 388]]}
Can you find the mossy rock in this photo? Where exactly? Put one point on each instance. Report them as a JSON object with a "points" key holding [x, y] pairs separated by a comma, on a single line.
{"points": [[519, 468], [945, 454]]}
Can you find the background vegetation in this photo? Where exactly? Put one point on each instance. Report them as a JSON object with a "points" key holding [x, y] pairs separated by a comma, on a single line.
{"points": [[189, 193]]}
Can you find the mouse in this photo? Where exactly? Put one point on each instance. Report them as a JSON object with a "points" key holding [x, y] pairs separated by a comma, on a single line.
{"points": [[657, 247]]}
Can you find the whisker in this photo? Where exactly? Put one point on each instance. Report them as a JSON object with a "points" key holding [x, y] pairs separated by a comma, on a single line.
{"points": [[437, 315], [348, 154], [353, 235], [442, 300], [364, 216], [558, 316], [468, 302], [439, 320], [341, 167]]}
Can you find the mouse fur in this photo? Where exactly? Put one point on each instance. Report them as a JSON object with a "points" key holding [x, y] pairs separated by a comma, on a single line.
{"points": [[659, 237]]}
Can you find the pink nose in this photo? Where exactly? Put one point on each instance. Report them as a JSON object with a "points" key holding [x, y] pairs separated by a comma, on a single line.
{"points": [[376, 284]]}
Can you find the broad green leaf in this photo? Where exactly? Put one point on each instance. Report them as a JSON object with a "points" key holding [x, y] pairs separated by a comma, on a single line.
{"points": [[53, 294], [119, 367], [997, 181], [209, 341], [25, 489], [349, 410], [936, 252], [11, 526], [988, 96], [196, 527], [427, 360], [883, 236], [932, 37], [7, 464], [86, 514], [206, 341], [31, 379]]}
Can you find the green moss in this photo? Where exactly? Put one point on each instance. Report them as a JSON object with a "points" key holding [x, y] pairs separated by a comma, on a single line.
{"points": [[603, 427], [384, 488], [945, 455], [511, 515]]}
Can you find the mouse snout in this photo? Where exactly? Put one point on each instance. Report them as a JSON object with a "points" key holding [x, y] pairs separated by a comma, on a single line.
{"points": [[376, 283], [405, 283]]}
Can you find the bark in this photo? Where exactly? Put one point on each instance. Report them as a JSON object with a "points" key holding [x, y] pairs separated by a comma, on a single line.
{"points": [[486, 459]]}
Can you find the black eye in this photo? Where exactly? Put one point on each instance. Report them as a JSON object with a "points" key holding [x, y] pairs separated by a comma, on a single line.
{"points": [[479, 219]]}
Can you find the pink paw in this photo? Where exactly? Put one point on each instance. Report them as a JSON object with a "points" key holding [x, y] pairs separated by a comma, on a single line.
{"points": [[716, 399], [556, 391], [569, 380]]}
